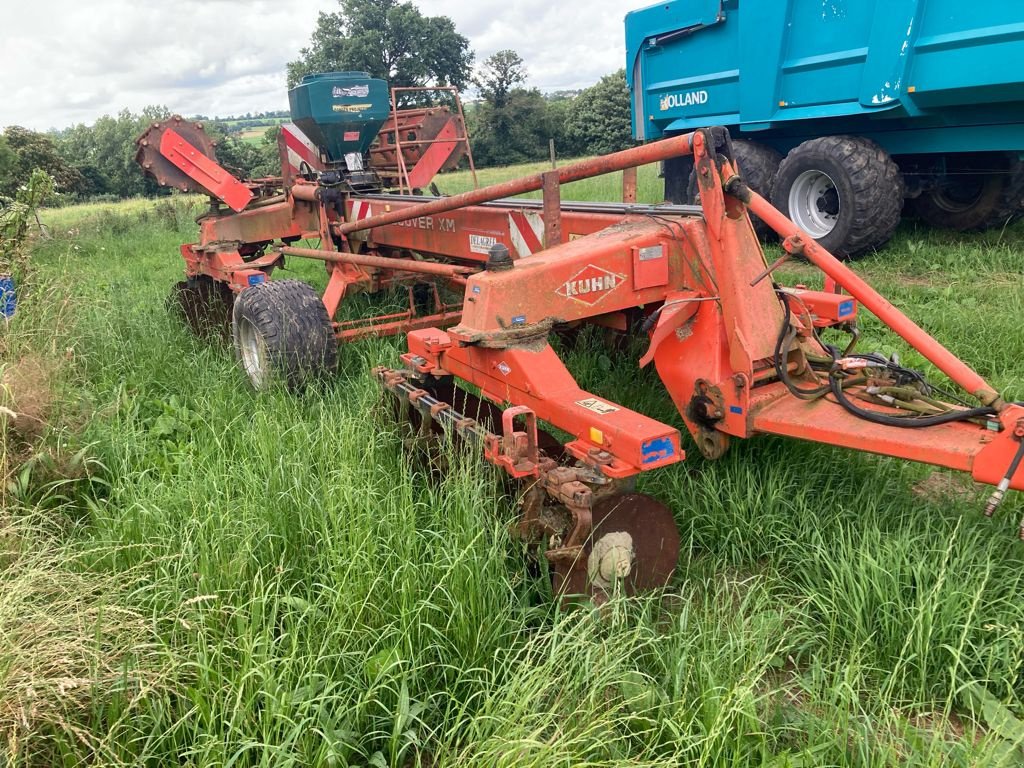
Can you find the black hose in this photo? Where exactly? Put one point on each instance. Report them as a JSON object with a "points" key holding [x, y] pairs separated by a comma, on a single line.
{"points": [[905, 421], [782, 346]]}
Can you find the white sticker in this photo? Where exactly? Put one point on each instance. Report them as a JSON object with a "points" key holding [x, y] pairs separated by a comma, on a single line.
{"points": [[652, 252], [482, 243], [599, 407], [505, 368]]}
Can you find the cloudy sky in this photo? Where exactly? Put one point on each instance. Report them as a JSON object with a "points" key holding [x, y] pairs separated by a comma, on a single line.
{"points": [[69, 61]]}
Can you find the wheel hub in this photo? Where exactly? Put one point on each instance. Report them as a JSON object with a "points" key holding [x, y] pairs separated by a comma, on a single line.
{"points": [[253, 351], [814, 203]]}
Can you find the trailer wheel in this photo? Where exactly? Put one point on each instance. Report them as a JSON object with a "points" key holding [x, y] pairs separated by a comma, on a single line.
{"points": [[969, 201], [282, 333], [677, 172], [758, 165], [844, 191]]}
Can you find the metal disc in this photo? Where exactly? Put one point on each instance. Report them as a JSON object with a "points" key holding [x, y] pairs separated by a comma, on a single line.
{"points": [[635, 521], [159, 167], [204, 305]]}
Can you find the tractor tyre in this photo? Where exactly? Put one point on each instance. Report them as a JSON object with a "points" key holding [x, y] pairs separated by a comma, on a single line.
{"points": [[282, 333], [976, 194], [844, 191]]}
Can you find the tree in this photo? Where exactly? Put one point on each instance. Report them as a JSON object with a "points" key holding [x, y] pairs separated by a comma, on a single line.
{"points": [[104, 153], [599, 120], [36, 150], [8, 165], [514, 133], [388, 39], [498, 75]]}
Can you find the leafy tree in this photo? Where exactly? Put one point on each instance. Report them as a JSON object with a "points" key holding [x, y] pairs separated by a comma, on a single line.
{"points": [[8, 163], [103, 154], [388, 39], [599, 121], [498, 75], [35, 150], [514, 133]]}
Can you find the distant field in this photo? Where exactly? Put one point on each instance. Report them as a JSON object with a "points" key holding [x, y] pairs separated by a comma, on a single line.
{"points": [[607, 187], [253, 135], [194, 575]]}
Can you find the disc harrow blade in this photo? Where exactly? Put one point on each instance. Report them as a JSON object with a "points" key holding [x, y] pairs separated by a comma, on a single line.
{"points": [[633, 546], [204, 306]]}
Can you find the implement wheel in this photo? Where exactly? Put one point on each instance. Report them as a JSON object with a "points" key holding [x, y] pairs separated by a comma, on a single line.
{"points": [[282, 333]]}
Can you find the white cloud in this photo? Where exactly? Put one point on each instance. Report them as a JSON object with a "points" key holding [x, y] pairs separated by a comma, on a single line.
{"points": [[68, 61]]}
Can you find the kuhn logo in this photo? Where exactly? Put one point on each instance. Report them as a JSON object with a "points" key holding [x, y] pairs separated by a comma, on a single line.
{"points": [[590, 285], [688, 99], [355, 91]]}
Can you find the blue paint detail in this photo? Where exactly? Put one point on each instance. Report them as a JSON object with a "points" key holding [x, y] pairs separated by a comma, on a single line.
{"points": [[519, 320], [846, 308], [8, 297], [736, 409], [658, 449], [257, 279], [917, 77]]}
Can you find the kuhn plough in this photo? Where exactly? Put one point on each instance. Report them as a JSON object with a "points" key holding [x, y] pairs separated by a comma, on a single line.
{"points": [[739, 354]]}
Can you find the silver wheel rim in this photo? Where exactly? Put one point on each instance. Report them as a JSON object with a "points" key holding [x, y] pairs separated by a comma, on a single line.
{"points": [[814, 203], [253, 352]]}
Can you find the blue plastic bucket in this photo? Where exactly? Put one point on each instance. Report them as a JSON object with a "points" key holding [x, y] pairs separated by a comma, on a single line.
{"points": [[8, 298]]}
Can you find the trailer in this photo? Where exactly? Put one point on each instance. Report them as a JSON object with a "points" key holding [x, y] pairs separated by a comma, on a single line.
{"points": [[846, 114]]}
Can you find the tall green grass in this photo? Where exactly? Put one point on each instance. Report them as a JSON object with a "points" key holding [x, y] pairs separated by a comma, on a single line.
{"points": [[270, 581]]}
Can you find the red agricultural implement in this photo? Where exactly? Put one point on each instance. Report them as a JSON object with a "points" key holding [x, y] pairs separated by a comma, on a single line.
{"points": [[739, 354]]}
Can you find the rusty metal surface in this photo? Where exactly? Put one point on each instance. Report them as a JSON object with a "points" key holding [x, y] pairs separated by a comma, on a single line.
{"points": [[649, 153], [629, 179], [416, 144], [204, 305], [552, 209], [382, 262], [164, 172]]}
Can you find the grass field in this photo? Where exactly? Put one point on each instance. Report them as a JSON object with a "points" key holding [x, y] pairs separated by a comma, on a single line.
{"points": [[194, 575]]}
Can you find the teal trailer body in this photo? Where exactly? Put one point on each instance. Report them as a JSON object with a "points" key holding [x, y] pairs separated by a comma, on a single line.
{"points": [[916, 76]]}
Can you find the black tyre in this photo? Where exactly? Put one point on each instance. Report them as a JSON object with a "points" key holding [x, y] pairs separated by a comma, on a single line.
{"points": [[976, 193], [844, 191], [677, 172], [758, 165], [282, 333]]}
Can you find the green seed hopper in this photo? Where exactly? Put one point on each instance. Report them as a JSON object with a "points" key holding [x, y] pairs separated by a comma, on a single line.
{"points": [[341, 112]]}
